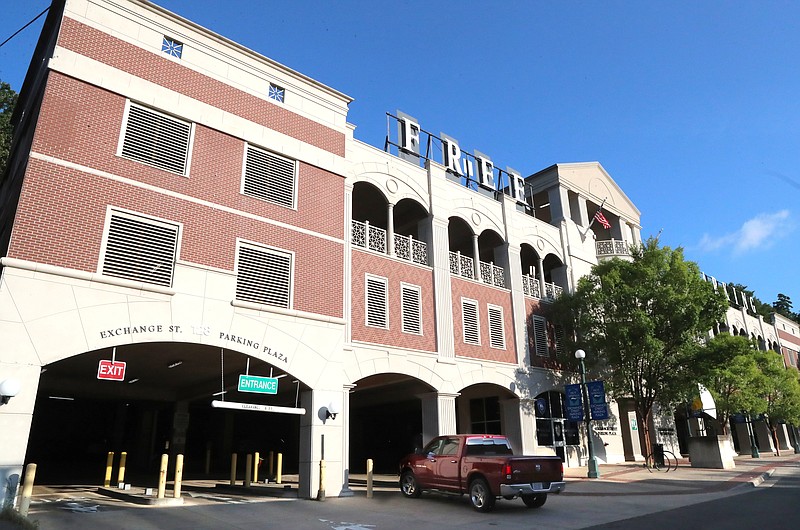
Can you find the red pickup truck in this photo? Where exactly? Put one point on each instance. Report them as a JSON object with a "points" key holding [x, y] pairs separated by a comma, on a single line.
{"points": [[483, 466]]}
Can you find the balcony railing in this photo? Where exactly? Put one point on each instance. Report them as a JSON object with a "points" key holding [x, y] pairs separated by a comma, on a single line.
{"points": [[491, 274], [611, 248], [531, 287], [410, 249], [365, 235]]}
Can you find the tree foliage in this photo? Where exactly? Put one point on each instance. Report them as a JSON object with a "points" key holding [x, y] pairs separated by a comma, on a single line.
{"points": [[779, 389], [640, 322], [783, 306], [8, 99], [735, 378]]}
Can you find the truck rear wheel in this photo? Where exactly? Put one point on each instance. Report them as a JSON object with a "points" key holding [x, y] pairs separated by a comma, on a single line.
{"points": [[480, 496], [409, 486], [535, 501]]}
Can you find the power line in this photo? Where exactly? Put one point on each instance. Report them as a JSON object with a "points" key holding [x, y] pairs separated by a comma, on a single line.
{"points": [[25, 26]]}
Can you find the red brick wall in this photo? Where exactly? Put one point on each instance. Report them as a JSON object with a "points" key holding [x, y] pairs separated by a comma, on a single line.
{"points": [[62, 211], [536, 307], [484, 295], [157, 69], [81, 123], [395, 271]]}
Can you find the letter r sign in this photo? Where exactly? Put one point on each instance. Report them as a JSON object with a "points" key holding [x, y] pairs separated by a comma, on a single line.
{"points": [[111, 370]]}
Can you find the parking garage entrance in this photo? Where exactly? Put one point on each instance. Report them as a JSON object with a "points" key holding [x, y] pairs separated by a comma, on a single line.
{"points": [[161, 405]]}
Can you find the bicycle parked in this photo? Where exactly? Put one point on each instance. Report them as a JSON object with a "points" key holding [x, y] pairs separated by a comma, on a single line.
{"points": [[661, 460]]}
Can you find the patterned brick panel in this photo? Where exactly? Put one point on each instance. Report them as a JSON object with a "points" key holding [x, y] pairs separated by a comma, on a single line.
{"points": [[152, 67], [82, 124], [484, 295], [62, 211], [396, 272]]}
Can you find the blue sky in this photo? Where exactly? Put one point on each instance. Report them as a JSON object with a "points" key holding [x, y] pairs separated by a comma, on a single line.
{"points": [[692, 107]]}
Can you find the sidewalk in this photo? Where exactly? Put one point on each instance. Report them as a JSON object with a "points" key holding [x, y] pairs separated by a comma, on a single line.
{"points": [[634, 479]]}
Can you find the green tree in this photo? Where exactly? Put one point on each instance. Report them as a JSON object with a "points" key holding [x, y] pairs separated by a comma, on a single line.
{"points": [[640, 321], [734, 378], [783, 306], [8, 99], [780, 392]]}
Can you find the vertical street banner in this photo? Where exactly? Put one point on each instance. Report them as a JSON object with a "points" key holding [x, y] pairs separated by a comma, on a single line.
{"points": [[597, 400], [574, 404]]}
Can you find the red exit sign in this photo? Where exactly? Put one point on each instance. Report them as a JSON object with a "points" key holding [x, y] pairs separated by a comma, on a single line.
{"points": [[111, 370]]}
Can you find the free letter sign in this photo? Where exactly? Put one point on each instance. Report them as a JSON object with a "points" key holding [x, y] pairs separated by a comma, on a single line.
{"points": [[111, 370]]}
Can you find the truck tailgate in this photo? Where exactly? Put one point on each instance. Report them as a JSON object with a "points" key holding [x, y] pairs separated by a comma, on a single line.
{"points": [[535, 469]]}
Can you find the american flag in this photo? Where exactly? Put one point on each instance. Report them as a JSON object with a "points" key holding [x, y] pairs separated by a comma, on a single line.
{"points": [[600, 218]]}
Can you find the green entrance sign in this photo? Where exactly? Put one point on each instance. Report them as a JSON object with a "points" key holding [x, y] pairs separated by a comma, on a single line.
{"points": [[259, 385]]}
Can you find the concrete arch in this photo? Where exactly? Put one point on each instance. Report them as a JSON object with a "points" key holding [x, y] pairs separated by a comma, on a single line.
{"points": [[395, 183]]}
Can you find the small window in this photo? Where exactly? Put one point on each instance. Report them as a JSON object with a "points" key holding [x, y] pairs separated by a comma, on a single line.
{"points": [[264, 276], [172, 47], [276, 92], [540, 336], [377, 294], [140, 248], [497, 336], [156, 139], [411, 307], [469, 317], [269, 177], [484, 415]]}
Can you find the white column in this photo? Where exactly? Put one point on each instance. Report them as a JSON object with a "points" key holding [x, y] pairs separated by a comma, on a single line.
{"points": [[518, 304], [438, 415], [540, 267], [348, 263], [476, 256], [442, 291], [390, 228], [15, 426], [346, 491]]}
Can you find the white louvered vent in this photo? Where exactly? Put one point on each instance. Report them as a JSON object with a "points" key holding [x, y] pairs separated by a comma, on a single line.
{"points": [[377, 294], [269, 176], [469, 312], [559, 336], [540, 335], [411, 309], [264, 276], [497, 337], [140, 249], [156, 139]]}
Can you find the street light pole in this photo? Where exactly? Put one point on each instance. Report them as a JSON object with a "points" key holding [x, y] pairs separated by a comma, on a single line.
{"points": [[594, 471]]}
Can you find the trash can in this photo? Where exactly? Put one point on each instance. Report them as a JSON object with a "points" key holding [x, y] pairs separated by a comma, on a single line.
{"points": [[658, 455]]}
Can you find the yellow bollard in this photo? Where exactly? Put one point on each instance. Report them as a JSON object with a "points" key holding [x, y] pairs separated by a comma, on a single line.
{"points": [[279, 471], [27, 490], [248, 470], [233, 469], [162, 476], [109, 465], [369, 478], [256, 461], [123, 457], [321, 491], [271, 472], [178, 476]]}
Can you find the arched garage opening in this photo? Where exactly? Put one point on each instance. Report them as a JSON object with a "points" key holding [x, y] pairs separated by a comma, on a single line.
{"points": [[385, 420], [487, 408], [162, 405]]}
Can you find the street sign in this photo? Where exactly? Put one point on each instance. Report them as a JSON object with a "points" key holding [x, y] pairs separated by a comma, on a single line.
{"points": [[257, 384], [574, 402], [111, 370], [597, 400]]}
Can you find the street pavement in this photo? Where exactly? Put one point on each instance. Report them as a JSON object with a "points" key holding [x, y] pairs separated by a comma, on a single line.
{"points": [[622, 492]]}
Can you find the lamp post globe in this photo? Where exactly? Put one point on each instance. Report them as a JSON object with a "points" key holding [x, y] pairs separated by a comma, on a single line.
{"points": [[593, 470]]}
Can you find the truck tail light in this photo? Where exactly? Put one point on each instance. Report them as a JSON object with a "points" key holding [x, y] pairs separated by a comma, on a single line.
{"points": [[507, 471]]}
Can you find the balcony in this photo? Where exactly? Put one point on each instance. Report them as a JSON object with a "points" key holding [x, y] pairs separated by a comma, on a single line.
{"points": [[373, 238], [532, 287], [491, 274], [612, 248]]}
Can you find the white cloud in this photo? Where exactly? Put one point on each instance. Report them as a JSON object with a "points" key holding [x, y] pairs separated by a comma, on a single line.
{"points": [[757, 233]]}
